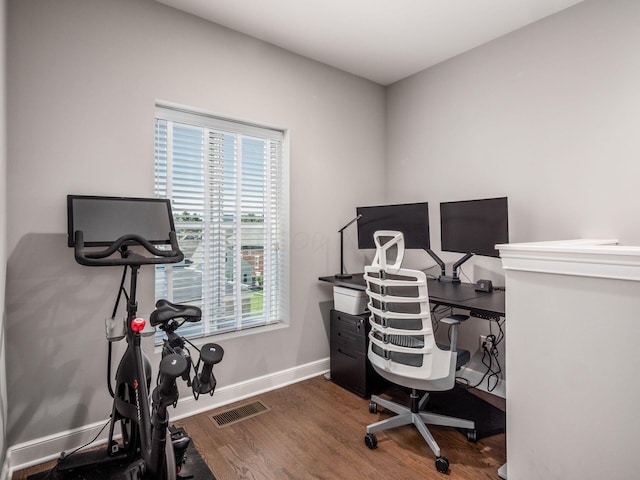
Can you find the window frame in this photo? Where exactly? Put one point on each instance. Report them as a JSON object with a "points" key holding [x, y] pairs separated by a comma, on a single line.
{"points": [[210, 122]]}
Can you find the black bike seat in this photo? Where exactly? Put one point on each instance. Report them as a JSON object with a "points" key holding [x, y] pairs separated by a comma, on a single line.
{"points": [[166, 311]]}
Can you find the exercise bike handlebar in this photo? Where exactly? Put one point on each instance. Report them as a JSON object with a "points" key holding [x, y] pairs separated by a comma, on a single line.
{"points": [[101, 258]]}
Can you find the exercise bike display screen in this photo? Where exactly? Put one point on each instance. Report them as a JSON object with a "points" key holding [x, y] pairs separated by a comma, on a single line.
{"points": [[105, 219]]}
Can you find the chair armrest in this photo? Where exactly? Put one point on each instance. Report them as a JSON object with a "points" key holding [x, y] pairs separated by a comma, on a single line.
{"points": [[454, 319]]}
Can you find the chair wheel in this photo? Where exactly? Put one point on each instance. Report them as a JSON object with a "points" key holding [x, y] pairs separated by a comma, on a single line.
{"points": [[373, 407], [472, 435], [442, 464], [370, 441]]}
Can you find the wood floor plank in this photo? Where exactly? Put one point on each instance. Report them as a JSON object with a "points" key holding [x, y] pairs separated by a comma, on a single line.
{"points": [[315, 430]]}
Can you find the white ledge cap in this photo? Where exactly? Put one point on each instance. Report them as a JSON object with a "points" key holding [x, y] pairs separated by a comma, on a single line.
{"points": [[579, 244], [583, 257]]}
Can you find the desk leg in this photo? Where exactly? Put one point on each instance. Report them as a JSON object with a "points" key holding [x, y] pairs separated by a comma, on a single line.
{"points": [[502, 472]]}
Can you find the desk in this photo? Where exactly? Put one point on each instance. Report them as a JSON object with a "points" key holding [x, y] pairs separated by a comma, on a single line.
{"points": [[349, 367], [489, 305]]}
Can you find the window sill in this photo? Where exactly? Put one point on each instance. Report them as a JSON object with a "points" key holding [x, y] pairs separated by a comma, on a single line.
{"points": [[222, 337]]}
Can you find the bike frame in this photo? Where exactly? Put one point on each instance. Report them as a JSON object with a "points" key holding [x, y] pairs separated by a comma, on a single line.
{"points": [[133, 376]]}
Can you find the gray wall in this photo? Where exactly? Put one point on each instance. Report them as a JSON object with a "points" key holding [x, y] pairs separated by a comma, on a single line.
{"points": [[83, 80], [3, 234], [547, 115]]}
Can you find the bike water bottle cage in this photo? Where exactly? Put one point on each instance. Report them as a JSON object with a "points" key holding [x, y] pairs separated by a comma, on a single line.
{"points": [[205, 382], [171, 367], [211, 354], [166, 311]]}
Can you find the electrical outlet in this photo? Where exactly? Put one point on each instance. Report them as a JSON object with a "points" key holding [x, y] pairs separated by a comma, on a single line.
{"points": [[485, 343]]}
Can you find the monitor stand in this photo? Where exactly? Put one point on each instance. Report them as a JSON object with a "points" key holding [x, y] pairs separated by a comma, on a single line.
{"points": [[454, 277]]}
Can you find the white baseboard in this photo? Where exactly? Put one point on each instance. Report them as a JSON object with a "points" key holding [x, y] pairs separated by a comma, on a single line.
{"points": [[40, 450], [473, 377], [233, 393]]}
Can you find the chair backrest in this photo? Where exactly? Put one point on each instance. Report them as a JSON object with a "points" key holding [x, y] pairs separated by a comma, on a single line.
{"points": [[402, 346]]}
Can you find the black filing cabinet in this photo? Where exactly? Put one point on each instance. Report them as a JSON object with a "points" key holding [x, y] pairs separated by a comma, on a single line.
{"points": [[348, 359]]}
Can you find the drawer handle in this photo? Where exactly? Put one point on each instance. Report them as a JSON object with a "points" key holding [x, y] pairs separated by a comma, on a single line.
{"points": [[347, 337], [346, 354]]}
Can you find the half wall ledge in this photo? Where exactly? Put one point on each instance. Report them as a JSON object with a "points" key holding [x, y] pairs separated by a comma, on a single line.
{"points": [[582, 257]]}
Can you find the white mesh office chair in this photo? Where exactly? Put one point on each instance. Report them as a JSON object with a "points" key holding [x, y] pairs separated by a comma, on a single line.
{"points": [[402, 346]]}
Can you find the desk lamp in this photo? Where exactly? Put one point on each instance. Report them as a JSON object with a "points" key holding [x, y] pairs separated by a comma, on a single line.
{"points": [[342, 274]]}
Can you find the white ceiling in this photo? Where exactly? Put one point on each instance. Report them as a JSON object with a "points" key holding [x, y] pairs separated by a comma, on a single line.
{"points": [[382, 40]]}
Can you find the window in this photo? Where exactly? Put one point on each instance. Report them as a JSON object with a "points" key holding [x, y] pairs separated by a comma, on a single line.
{"points": [[227, 184]]}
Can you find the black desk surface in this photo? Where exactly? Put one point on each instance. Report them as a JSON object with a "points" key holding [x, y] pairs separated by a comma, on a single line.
{"points": [[458, 295]]}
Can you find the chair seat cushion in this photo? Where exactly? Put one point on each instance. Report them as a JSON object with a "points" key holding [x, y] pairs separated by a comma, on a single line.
{"points": [[462, 358]]}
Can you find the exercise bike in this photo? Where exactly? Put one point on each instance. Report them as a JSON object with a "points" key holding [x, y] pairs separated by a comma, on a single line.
{"points": [[148, 447]]}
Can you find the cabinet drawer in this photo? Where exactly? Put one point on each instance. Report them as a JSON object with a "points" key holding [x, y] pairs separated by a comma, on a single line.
{"points": [[349, 331], [349, 369]]}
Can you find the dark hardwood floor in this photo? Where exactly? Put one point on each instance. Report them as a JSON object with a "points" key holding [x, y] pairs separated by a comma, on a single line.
{"points": [[315, 430]]}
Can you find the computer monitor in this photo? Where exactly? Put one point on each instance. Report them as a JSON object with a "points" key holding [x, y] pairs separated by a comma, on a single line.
{"points": [[473, 227], [412, 219], [105, 219]]}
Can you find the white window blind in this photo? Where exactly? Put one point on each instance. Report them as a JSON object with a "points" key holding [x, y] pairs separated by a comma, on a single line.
{"points": [[226, 183]]}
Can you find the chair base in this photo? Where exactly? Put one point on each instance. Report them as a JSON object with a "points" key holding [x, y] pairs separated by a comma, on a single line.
{"points": [[409, 416]]}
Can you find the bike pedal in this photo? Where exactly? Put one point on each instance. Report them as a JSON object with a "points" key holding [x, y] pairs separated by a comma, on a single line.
{"points": [[180, 442], [180, 446], [135, 471]]}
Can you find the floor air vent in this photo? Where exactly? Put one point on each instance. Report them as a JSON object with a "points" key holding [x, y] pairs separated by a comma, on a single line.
{"points": [[237, 414]]}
